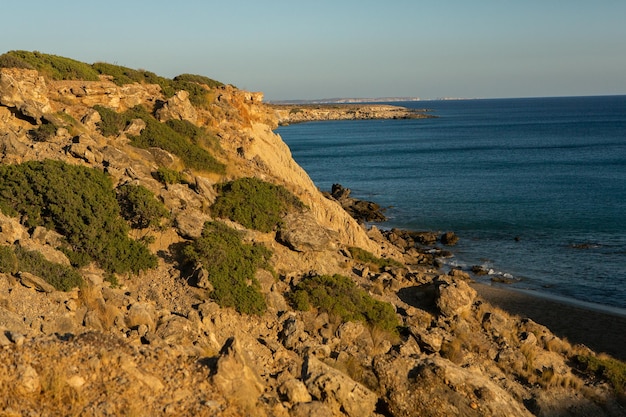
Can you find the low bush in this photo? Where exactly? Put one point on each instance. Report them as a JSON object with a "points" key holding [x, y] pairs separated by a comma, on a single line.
{"points": [[162, 135], [607, 368], [375, 263], [199, 79], [253, 203], [61, 277], [340, 296], [231, 267], [79, 203], [8, 260], [140, 207], [44, 132], [52, 66], [169, 176]]}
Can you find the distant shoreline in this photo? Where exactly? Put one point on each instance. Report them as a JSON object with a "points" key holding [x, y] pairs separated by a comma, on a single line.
{"points": [[300, 113]]}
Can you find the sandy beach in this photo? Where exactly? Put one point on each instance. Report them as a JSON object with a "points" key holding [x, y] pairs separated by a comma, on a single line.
{"points": [[600, 330]]}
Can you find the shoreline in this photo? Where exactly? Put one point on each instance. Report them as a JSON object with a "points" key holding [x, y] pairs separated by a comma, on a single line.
{"points": [[601, 329]]}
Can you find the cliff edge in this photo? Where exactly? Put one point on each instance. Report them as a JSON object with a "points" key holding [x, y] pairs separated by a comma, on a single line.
{"points": [[161, 253]]}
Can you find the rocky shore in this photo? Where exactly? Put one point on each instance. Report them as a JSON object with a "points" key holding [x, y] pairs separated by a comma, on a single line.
{"points": [[289, 113], [405, 339]]}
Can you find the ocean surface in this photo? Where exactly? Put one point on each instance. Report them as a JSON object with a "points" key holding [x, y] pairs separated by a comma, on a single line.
{"points": [[535, 188]]}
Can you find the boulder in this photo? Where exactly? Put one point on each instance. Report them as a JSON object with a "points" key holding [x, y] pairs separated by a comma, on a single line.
{"points": [[337, 390], [235, 377], [449, 238], [453, 296], [178, 107], [301, 233], [32, 281], [11, 230], [361, 210], [294, 391]]}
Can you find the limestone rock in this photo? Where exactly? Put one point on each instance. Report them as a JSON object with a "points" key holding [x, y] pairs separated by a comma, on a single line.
{"points": [[453, 296], [234, 376], [294, 391], [11, 230], [26, 91], [178, 107], [301, 233], [32, 281], [293, 331], [337, 390], [28, 379], [141, 313]]}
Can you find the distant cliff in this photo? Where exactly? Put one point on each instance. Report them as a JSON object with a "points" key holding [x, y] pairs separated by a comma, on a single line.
{"points": [[298, 113]]}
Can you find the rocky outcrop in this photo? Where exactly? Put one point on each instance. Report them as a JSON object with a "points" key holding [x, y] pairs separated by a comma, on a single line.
{"points": [[363, 211], [288, 114]]}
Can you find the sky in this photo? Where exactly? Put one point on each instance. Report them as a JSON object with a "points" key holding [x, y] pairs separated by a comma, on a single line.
{"points": [[343, 48]]}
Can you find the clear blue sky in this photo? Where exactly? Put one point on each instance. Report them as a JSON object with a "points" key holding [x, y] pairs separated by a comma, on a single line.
{"points": [[343, 48]]}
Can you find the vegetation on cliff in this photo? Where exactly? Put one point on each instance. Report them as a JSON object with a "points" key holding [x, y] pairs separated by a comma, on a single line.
{"points": [[254, 203], [61, 68], [230, 266], [61, 277], [139, 206], [80, 204], [338, 295], [182, 138]]}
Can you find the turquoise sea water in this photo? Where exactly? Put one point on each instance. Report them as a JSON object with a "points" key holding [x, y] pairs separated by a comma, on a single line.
{"points": [[535, 188]]}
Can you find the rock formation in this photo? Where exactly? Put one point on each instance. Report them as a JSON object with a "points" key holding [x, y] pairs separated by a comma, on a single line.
{"points": [[156, 343]]}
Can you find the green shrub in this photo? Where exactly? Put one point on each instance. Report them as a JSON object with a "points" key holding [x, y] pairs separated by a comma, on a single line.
{"points": [[79, 203], [111, 122], [340, 296], [162, 135], [606, 368], [253, 203], [44, 132], [169, 176], [8, 260], [52, 66], [199, 79], [231, 267], [374, 262], [139, 206], [61, 277]]}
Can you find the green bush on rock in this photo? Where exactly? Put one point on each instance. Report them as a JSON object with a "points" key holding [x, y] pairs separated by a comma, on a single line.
{"points": [[167, 136], [338, 295], [79, 203], [140, 207], [375, 263], [231, 266], [253, 203]]}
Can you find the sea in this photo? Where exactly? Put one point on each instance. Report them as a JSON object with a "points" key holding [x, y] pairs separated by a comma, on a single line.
{"points": [[535, 188]]}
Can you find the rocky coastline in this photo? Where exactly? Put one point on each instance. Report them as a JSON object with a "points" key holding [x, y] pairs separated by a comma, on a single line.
{"points": [[290, 113], [406, 340]]}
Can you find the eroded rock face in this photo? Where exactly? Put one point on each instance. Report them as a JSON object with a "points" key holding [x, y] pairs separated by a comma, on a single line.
{"points": [[25, 91], [337, 390], [178, 107], [301, 233]]}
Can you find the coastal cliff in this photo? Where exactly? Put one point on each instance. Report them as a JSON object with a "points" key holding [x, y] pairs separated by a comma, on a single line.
{"points": [[205, 304]]}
